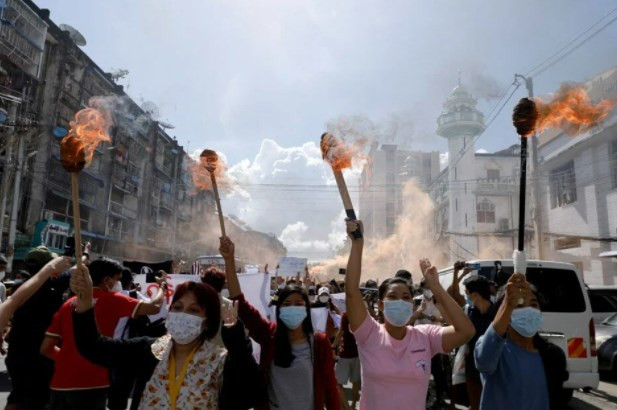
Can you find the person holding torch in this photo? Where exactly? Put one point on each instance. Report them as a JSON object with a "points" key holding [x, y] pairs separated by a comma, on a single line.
{"points": [[395, 357]]}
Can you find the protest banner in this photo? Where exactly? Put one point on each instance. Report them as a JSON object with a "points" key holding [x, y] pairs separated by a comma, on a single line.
{"points": [[290, 266]]}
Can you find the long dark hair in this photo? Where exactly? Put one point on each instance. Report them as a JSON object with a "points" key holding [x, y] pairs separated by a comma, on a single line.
{"points": [[283, 357]]}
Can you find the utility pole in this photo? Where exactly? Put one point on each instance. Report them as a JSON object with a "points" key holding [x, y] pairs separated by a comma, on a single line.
{"points": [[535, 180], [8, 163]]}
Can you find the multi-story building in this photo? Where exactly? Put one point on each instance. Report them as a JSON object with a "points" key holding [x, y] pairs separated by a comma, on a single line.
{"points": [[579, 191], [476, 196], [382, 181], [137, 200]]}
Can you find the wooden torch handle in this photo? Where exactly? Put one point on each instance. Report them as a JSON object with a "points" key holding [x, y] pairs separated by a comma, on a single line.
{"points": [[76, 216], [217, 199], [342, 187]]}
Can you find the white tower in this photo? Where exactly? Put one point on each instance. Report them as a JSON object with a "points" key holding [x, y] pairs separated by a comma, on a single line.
{"points": [[460, 122]]}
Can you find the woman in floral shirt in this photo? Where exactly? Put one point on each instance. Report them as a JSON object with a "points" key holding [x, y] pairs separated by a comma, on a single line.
{"points": [[184, 369]]}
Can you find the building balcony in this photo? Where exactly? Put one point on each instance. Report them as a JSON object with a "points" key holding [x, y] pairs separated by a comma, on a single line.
{"points": [[121, 210]]}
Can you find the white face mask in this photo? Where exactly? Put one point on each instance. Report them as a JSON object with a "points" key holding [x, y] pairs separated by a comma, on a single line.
{"points": [[184, 328], [117, 287], [324, 299], [2, 275], [428, 294], [225, 293]]}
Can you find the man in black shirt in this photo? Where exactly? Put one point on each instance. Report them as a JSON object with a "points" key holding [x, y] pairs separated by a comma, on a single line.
{"points": [[31, 372]]}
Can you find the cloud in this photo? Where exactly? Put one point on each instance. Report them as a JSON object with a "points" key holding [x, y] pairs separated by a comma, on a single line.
{"points": [[293, 237], [481, 151]]}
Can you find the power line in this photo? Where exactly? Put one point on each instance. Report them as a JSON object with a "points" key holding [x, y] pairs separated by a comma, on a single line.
{"points": [[569, 43]]}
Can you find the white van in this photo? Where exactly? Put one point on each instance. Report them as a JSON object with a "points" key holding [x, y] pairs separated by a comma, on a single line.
{"points": [[568, 320]]}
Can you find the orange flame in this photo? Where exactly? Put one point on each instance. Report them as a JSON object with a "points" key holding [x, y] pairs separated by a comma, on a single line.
{"points": [[571, 110], [339, 154], [200, 174], [90, 128]]}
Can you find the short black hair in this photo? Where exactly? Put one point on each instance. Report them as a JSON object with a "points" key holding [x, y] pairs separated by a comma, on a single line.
{"points": [[480, 285], [383, 288], [404, 274], [371, 284], [127, 278], [214, 277], [102, 268]]}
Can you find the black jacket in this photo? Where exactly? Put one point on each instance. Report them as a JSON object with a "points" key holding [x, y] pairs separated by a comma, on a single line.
{"points": [[554, 361], [243, 383]]}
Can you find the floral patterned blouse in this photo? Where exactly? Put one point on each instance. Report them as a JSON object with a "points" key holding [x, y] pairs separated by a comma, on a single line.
{"points": [[201, 385]]}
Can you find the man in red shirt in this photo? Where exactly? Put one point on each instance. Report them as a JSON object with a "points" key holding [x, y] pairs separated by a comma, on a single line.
{"points": [[77, 383]]}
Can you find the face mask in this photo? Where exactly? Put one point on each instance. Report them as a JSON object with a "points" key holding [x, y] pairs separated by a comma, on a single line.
{"points": [[468, 300], [324, 299], [117, 287], [526, 321], [428, 294], [282, 286], [493, 299], [293, 316], [2, 274], [184, 328], [397, 312], [225, 293]]}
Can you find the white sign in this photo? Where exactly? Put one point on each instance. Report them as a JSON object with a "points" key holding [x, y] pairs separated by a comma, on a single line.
{"points": [[289, 266], [319, 317], [339, 300]]}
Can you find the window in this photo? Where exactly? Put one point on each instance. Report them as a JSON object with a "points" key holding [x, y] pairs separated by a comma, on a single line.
{"points": [[563, 185], [559, 290], [567, 243], [492, 174], [613, 163], [486, 211]]}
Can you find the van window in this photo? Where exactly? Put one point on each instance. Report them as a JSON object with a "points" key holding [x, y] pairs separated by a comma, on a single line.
{"points": [[602, 301], [559, 289]]}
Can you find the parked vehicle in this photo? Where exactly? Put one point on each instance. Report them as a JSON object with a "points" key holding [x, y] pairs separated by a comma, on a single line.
{"points": [[606, 339], [568, 320], [603, 301]]}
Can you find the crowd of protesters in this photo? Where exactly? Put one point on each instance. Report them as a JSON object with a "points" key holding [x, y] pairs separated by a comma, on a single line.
{"points": [[84, 337]]}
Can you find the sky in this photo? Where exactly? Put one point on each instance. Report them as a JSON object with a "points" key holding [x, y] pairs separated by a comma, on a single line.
{"points": [[259, 81]]}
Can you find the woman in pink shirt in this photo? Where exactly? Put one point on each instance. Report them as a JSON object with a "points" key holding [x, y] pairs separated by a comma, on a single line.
{"points": [[396, 357]]}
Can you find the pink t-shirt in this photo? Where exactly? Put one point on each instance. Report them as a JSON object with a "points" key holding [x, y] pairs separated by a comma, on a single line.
{"points": [[395, 373]]}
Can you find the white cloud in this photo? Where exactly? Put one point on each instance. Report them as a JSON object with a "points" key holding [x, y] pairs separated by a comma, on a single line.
{"points": [[482, 151], [293, 237]]}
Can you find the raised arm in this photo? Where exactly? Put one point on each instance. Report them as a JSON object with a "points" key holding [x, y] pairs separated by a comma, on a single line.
{"points": [[462, 329], [259, 327], [355, 308], [101, 350], [30, 287], [454, 288]]}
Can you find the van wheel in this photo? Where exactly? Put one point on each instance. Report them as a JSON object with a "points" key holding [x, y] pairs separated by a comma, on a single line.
{"points": [[567, 395]]}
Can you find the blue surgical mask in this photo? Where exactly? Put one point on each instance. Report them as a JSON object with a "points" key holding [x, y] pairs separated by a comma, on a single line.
{"points": [[526, 321], [397, 312], [293, 316], [468, 300]]}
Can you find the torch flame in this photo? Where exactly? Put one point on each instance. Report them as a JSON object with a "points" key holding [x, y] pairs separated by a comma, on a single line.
{"points": [[571, 110], [88, 130], [200, 172], [338, 154]]}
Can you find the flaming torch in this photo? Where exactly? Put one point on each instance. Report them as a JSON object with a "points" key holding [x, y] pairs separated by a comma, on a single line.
{"points": [[339, 156], [89, 129], [571, 110], [209, 160]]}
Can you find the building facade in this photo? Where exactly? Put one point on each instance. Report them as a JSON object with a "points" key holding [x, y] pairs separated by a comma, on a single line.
{"points": [[476, 196], [382, 182], [579, 191]]}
